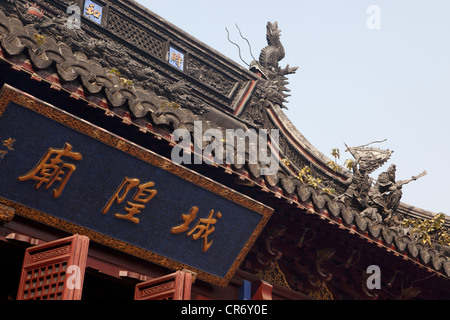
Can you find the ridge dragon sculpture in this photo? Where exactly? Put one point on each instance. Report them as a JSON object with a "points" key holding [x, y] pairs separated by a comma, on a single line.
{"points": [[268, 66], [378, 199]]}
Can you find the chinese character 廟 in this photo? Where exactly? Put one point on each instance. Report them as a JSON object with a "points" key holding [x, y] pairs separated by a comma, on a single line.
{"points": [[51, 169], [203, 226], [9, 143], [142, 196]]}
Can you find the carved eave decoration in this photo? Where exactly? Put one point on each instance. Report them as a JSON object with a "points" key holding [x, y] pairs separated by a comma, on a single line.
{"points": [[6, 214], [138, 101]]}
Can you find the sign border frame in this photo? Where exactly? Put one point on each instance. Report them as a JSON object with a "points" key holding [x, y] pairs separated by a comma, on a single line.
{"points": [[10, 94]]}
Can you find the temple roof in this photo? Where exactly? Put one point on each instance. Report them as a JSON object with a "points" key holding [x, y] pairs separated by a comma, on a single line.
{"points": [[127, 77]]}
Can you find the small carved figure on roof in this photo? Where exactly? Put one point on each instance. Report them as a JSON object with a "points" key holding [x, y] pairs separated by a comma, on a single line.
{"points": [[358, 188], [367, 160], [29, 14], [386, 194], [380, 201]]}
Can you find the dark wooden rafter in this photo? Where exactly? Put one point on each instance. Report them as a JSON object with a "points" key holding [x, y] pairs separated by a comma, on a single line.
{"points": [[333, 258]]}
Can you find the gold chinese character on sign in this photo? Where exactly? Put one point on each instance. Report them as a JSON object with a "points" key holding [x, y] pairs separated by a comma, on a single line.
{"points": [[9, 143], [91, 11], [176, 57], [143, 195], [203, 227], [51, 169]]}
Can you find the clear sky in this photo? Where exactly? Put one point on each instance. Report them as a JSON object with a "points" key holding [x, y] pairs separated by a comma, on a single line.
{"points": [[354, 84]]}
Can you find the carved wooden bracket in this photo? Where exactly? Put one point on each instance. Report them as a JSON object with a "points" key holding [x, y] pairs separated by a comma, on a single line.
{"points": [[24, 239], [266, 255], [134, 276]]}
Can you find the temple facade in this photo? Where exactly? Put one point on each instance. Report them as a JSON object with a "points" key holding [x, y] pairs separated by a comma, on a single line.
{"points": [[137, 163]]}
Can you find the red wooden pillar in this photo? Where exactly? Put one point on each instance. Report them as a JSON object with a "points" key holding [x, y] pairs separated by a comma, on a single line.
{"points": [[54, 270], [175, 286]]}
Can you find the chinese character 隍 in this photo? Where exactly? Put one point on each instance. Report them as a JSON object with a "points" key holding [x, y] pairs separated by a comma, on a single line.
{"points": [[51, 169], [142, 196], [203, 227]]}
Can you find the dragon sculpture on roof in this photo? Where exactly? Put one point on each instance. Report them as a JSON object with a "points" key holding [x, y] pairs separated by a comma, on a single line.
{"points": [[268, 67]]}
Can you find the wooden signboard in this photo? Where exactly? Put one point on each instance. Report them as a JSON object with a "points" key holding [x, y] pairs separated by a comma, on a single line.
{"points": [[64, 172]]}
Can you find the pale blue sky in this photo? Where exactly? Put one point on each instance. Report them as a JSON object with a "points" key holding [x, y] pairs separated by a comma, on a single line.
{"points": [[354, 85]]}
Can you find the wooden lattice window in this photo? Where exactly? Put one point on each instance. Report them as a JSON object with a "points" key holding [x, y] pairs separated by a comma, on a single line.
{"points": [[54, 270], [175, 286]]}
